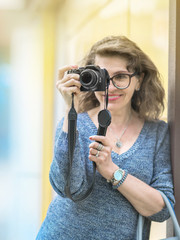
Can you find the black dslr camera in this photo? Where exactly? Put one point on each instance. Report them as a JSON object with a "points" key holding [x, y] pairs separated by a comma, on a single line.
{"points": [[92, 78]]}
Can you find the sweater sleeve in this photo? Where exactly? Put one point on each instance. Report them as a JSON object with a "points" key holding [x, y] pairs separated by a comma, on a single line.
{"points": [[162, 175], [59, 167]]}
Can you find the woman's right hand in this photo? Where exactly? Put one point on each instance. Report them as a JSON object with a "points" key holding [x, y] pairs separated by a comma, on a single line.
{"points": [[68, 84]]}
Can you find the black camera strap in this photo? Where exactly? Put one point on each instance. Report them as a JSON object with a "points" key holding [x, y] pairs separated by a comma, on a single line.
{"points": [[72, 123], [104, 119]]}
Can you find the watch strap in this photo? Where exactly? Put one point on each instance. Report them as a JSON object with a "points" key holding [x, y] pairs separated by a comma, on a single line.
{"points": [[121, 181], [113, 180]]}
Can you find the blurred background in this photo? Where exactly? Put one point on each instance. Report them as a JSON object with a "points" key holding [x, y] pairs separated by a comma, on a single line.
{"points": [[36, 38]]}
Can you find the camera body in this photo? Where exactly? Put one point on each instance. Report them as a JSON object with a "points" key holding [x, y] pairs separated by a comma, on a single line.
{"points": [[92, 78]]}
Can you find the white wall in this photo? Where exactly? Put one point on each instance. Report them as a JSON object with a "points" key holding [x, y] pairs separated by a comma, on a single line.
{"points": [[20, 175]]}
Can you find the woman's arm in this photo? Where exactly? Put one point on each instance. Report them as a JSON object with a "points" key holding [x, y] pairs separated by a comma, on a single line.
{"points": [[67, 84], [59, 166], [144, 198]]}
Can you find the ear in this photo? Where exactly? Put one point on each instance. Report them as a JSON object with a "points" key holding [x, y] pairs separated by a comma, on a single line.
{"points": [[139, 82]]}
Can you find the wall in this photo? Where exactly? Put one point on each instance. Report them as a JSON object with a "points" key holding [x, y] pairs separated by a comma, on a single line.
{"points": [[21, 156]]}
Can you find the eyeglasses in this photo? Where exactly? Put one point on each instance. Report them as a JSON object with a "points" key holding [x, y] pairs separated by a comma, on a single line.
{"points": [[122, 80]]}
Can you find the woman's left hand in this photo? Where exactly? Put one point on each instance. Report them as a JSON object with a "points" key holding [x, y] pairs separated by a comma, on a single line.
{"points": [[100, 153]]}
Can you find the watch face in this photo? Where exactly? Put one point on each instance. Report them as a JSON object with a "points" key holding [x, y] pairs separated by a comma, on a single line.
{"points": [[118, 175]]}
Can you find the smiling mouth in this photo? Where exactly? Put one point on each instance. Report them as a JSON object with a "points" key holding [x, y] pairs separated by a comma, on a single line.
{"points": [[113, 97]]}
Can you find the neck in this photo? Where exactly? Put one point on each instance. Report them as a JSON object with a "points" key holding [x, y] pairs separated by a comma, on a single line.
{"points": [[119, 124], [120, 118]]}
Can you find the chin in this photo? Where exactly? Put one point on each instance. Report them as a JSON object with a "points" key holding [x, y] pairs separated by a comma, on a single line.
{"points": [[113, 107]]}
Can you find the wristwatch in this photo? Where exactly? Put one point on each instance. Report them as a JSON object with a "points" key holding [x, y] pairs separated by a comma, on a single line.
{"points": [[117, 176]]}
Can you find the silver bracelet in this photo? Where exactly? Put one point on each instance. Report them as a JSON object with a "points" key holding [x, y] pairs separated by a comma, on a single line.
{"points": [[121, 181]]}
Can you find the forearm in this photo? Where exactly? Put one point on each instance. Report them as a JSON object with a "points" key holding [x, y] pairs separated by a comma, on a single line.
{"points": [[65, 124], [59, 166], [145, 199]]}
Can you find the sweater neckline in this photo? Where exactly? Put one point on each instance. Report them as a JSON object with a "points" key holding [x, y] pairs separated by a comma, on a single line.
{"points": [[132, 149]]}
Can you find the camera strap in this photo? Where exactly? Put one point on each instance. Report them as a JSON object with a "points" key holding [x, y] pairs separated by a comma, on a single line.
{"points": [[106, 96], [72, 123], [104, 119]]}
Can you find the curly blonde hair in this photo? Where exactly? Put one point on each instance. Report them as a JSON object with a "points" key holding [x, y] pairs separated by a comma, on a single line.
{"points": [[148, 102]]}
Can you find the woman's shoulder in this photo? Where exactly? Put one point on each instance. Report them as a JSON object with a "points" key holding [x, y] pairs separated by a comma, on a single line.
{"points": [[158, 129], [158, 125]]}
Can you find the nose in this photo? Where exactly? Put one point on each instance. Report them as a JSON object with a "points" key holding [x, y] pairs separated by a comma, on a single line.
{"points": [[111, 86]]}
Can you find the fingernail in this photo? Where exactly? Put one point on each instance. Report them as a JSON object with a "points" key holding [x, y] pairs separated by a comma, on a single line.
{"points": [[91, 137]]}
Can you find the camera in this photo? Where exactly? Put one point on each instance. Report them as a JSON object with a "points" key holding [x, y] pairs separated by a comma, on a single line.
{"points": [[92, 78]]}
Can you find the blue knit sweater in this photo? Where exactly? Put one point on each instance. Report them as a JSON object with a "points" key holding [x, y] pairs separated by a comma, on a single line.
{"points": [[106, 214]]}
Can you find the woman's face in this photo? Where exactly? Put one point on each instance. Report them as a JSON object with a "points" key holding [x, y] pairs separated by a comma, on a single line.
{"points": [[118, 99]]}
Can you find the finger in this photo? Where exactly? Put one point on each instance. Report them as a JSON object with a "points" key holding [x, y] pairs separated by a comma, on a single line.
{"points": [[100, 147], [101, 139], [95, 145], [64, 69], [70, 90], [94, 152], [68, 82], [94, 158], [72, 82]]}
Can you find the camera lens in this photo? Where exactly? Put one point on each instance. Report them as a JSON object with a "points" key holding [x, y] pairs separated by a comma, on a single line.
{"points": [[89, 79]]}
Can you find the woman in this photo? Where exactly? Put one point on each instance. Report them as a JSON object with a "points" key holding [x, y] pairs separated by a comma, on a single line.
{"points": [[133, 161]]}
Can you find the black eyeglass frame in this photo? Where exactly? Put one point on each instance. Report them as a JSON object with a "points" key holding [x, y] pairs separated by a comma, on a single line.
{"points": [[130, 76]]}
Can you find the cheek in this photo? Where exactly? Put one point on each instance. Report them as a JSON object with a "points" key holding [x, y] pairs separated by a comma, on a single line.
{"points": [[132, 88], [129, 93]]}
